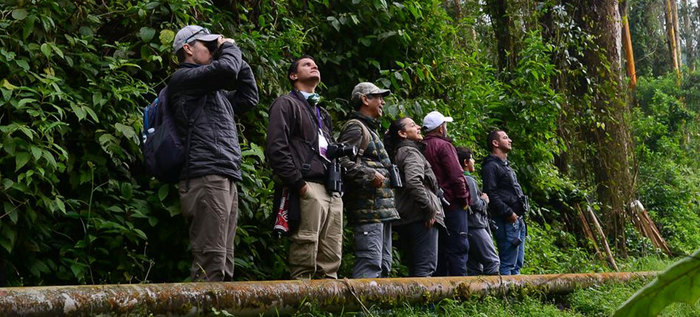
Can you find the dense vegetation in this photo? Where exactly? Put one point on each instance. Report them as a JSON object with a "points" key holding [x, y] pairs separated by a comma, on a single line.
{"points": [[77, 206]]}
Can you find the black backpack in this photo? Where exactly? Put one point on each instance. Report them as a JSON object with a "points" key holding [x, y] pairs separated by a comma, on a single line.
{"points": [[164, 153]]}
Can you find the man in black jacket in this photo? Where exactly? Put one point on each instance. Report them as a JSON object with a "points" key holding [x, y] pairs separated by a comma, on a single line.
{"points": [[212, 84], [298, 136], [508, 204]]}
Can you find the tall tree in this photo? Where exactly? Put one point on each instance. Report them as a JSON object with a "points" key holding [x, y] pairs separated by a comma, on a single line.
{"points": [[503, 28], [676, 32], [687, 34], [610, 131], [671, 38]]}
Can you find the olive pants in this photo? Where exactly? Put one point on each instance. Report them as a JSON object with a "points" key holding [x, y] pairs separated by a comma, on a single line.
{"points": [[211, 205], [316, 246]]}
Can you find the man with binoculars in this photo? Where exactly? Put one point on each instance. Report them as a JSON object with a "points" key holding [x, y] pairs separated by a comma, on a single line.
{"points": [[369, 197], [211, 86]]}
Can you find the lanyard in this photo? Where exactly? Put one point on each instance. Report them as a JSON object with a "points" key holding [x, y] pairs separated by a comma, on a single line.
{"points": [[318, 118]]}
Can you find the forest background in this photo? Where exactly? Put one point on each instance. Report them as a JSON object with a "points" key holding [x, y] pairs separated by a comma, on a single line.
{"points": [[79, 208]]}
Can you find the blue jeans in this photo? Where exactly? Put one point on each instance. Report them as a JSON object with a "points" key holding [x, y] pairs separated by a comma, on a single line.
{"points": [[511, 253], [453, 245]]}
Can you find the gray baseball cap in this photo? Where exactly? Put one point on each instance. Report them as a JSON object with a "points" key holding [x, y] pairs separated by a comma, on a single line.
{"points": [[367, 88], [192, 33]]}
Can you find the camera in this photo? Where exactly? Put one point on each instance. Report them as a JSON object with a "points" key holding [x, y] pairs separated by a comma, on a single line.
{"points": [[516, 241], [525, 202], [339, 150], [492, 225], [441, 195], [334, 179], [395, 177]]}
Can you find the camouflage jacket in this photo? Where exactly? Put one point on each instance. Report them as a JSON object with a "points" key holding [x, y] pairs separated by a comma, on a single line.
{"points": [[365, 203]]}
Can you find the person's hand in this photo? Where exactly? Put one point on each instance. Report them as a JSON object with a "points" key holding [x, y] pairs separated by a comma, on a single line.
{"points": [[222, 39], [485, 197], [303, 190], [429, 223], [378, 180], [513, 218]]}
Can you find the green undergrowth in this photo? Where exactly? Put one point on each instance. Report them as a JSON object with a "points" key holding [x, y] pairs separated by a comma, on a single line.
{"points": [[592, 301]]}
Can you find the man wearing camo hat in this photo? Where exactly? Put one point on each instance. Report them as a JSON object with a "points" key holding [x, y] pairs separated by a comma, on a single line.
{"points": [[212, 84], [369, 198]]}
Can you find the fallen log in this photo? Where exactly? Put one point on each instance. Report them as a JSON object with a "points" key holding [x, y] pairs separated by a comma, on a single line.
{"points": [[279, 297]]}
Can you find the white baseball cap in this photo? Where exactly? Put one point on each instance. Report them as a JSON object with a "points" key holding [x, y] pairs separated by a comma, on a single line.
{"points": [[435, 119]]}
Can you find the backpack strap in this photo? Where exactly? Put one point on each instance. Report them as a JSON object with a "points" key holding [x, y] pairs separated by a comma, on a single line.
{"points": [[365, 137]]}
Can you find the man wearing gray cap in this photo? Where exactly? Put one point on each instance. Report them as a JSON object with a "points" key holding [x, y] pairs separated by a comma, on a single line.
{"points": [[453, 244], [369, 198], [212, 84]]}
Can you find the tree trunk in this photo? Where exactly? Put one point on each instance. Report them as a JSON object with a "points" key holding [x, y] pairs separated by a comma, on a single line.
{"points": [[676, 33], [502, 27], [671, 38], [688, 35], [274, 298], [611, 135], [627, 42], [458, 10]]}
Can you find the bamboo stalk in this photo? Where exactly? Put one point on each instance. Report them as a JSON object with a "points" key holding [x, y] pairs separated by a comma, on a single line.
{"points": [[650, 229], [672, 40], [629, 53], [279, 297], [588, 232], [611, 259]]}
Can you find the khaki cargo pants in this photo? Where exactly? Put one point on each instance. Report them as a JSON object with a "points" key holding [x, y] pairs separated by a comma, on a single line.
{"points": [[316, 246], [211, 205]]}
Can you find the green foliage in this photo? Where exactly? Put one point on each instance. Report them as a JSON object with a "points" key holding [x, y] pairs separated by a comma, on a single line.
{"points": [[665, 126], [78, 207], [646, 19], [679, 283], [550, 251]]}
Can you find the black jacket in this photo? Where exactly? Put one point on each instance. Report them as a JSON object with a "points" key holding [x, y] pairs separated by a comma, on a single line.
{"points": [[292, 140], [500, 183], [214, 148]]}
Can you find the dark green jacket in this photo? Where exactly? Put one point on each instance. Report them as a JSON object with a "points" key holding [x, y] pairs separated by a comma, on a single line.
{"points": [[417, 201], [365, 203]]}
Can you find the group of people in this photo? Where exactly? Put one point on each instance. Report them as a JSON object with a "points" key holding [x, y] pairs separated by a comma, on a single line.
{"points": [[420, 187]]}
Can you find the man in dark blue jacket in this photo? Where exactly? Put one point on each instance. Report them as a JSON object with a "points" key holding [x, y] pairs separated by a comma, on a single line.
{"points": [[211, 86], [507, 205]]}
